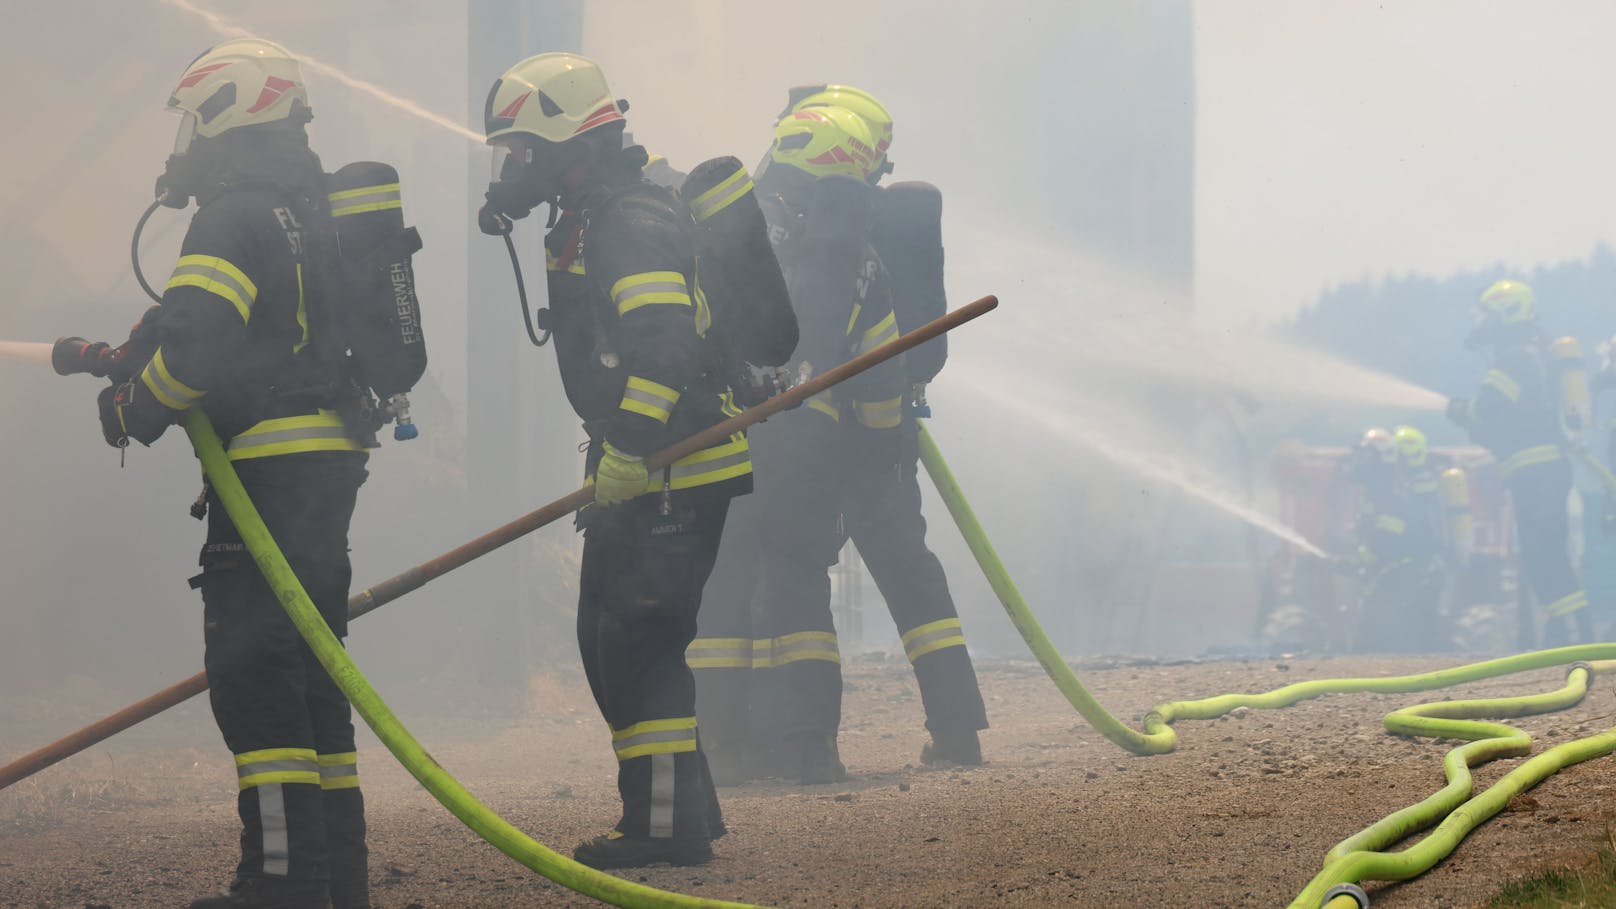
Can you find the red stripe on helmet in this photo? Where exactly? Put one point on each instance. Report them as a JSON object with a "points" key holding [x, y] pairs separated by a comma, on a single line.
{"points": [[604, 114], [197, 75], [510, 109], [274, 87]]}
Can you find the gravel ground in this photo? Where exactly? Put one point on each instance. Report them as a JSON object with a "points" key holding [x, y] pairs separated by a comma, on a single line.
{"points": [[1240, 815]]}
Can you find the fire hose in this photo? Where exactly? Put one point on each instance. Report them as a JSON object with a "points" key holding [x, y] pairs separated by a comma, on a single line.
{"points": [[1354, 859]]}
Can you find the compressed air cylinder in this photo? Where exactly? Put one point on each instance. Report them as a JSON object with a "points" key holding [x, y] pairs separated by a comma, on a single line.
{"points": [[1453, 487], [750, 304], [379, 312], [1576, 407]]}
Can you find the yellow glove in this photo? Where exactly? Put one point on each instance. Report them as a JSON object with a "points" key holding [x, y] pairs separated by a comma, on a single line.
{"points": [[619, 477]]}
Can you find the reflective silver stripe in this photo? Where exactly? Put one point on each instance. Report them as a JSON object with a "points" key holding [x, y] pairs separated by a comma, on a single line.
{"points": [[654, 737], [680, 471], [292, 766], [274, 437], [653, 400], [163, 385], [272, 827], [662, 793], [246, 295], [328, 771]]}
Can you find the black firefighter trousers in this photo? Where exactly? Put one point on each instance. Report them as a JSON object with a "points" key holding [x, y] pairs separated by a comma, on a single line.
{"points": [[881, 512], [289, 727], [767, 663], [1543, 526], [638, 594]]}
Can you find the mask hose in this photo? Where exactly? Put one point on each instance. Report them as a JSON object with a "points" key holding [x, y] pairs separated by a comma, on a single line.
{"points": [[521, 293], [134, 252]]}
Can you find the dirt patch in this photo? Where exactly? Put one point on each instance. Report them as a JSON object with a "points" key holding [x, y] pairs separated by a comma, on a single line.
{"points": [[1240, 815]]}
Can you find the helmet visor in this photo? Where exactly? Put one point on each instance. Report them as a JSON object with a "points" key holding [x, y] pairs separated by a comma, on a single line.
{"points": [[508, 161], [186, 134]]}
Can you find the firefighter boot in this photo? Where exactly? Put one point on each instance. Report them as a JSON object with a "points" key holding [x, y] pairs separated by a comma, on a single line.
{"points": [[961, 747], [268, 893], [818, 760], [345, 839], [614, 850]]}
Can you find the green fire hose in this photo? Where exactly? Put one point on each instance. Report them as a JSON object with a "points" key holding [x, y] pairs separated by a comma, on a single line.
{"points": [[445, 788], [1351, 860]]}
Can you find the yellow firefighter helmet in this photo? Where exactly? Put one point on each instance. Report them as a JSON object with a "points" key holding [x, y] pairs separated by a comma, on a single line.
{"points": [[244, 82], [554, 96], [824, 142]]}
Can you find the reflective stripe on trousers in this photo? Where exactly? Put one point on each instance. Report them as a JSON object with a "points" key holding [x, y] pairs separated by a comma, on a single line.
{"points": [[1529, 457], [1567, 604], [932, 636]]}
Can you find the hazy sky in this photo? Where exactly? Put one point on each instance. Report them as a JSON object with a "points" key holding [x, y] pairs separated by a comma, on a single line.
{"points": [[1339, 138]]}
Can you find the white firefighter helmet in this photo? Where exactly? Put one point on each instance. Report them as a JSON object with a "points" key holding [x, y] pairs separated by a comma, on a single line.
{"points": [[242, 82], [552, 96]]}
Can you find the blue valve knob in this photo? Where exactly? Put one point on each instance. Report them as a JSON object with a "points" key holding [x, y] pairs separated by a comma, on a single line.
{"points": [[404, 432]]}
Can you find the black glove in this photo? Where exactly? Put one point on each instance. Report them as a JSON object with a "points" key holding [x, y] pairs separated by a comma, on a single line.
{"points": [[1459, 411], [123, 419], [111, 406]]}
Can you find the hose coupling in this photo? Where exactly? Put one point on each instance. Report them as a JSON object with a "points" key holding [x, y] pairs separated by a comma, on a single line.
{"points": [[1349, 890]]}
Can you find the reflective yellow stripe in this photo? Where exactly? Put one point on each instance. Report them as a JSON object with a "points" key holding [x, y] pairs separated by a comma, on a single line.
{"points": [[366, 198], [670, 736], [276, 765], [710, 465], [1501, 381], [932, 636], [796, 647], [880, 414], [309, 777], [822, 403], [216, 276], [275, 754], [716, 199], [339, 771], [652, 399], [169, 391], [1390, 524], [852, 320], [323, 431], [719, 653], [882, 333], [1567, 604], [650, 288], [302, 313], [1528, 457]]}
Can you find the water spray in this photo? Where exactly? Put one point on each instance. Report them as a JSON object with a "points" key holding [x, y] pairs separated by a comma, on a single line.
{"points": [[1100, 437], [31, 351], [228, 30]]}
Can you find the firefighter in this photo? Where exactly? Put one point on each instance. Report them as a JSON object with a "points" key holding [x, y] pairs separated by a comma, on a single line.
{"points": [[1516, 416], [630, 324], [235, 336], [881, 511], [1396, 557]]}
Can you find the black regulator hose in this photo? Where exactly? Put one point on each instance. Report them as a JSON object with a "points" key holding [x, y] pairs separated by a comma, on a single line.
{"points": [[134, 250], [521, 294]]}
